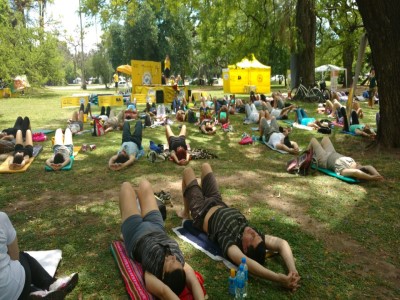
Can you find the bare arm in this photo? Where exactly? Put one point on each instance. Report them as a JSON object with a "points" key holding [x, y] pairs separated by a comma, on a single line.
{"points": [[116, 166], [157, 288], [13, 249], [359, 174], [192, 283]]}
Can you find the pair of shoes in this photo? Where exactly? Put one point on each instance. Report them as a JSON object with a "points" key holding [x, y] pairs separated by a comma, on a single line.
{"points": [[152, 156], [65, 284], [48, 295]]}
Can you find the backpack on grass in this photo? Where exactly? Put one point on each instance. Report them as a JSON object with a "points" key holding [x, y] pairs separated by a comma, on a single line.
{"points": [[302, 164]]}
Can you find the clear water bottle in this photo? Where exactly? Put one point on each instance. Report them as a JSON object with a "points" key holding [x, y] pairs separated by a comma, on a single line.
{"points": [[240, 283], [246, 276], [232, 284]]}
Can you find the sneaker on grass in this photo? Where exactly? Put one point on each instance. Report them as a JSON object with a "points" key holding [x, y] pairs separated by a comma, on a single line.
{"points": [[48, 295], [65, 284]]}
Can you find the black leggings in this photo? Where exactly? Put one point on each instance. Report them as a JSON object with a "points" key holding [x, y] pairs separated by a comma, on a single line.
{"points": [[20, 124], [34, 274], [353, 119]]}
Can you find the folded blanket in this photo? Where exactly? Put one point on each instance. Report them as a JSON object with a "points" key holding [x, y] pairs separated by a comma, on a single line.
{"points": [[132, 273]]}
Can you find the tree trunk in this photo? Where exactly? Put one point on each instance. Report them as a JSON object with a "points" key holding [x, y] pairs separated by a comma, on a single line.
{"points": [[306, 26], [348, 58], [380, 19]]}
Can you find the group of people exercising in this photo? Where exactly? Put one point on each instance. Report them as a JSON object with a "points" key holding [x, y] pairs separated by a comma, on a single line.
{"points": [[166, 272]]}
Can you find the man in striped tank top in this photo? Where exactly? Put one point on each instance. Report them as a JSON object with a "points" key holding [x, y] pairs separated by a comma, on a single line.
{"points": [[230, 230]]}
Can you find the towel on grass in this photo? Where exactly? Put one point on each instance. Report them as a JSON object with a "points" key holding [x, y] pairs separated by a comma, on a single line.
{"points": [[49, 259], [200, 241]]}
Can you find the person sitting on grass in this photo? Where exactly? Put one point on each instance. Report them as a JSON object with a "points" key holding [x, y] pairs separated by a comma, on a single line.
{"points": [[130, 149], [21, 276], [165, 271], [177, 146], [22, 152], [63, 149], [229, 228], [328, 158], [276, 135]]}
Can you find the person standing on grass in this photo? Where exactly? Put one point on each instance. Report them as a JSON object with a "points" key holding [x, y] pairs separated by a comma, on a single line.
{"points": [[228, 228], [373, 88], [167, 69], [116, 79], [165, 271]]}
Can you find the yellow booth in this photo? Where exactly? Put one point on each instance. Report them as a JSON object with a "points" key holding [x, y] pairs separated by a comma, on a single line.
{"points": [[246, 76]]}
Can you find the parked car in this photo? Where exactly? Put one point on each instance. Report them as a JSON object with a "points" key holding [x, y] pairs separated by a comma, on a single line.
{"points": [[278, 78], [122, 83], [198, 81]]}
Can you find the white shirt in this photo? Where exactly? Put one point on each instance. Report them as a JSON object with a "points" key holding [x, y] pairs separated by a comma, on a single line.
{"points": [[12, 274], [276, 138]]}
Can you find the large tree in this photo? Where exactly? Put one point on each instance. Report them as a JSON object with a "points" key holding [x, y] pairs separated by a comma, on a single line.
{"points": [[306, 37], [381, 19]]}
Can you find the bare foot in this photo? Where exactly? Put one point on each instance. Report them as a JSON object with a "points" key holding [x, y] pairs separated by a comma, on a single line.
{"points": [[183, 215]]}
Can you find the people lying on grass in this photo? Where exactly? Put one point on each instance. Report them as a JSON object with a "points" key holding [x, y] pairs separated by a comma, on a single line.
{"points": [[218, 103], [279, 101], [302, 119], [180, 116], [276, 135], [114, 122], [231, 231], [278, 113], [333, 107], [165, 271], [223, 115], [355, 127], [252, 114], [131, 112], [207, 126], [328, 158], [23, 151], [63, 149], [130, 147], [9, 134], [177, 145], [76, 121], [22, 276]]}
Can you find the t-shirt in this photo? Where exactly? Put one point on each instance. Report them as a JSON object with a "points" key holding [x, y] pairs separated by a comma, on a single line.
{"points": [[305, 121], [65, 150], [151, 250], [276, 112], [356, 126], [276, 138], [115, 77], [130, 148], [12, 274], [226, 227]]}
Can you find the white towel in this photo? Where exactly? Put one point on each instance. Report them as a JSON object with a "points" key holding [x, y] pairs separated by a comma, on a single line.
{"points": [[49, 259]]}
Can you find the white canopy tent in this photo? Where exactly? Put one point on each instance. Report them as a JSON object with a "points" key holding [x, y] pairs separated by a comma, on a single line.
{"points": [[327, 68]]}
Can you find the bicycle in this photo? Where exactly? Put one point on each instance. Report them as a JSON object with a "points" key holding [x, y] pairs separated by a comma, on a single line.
{"points": [[313, 94]]}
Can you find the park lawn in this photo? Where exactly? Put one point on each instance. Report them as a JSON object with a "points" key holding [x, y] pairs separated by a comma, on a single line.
{"points": [[344, 237]]}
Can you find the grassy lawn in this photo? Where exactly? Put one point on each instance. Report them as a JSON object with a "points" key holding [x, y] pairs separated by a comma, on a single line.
{"points": [[345, 238]]}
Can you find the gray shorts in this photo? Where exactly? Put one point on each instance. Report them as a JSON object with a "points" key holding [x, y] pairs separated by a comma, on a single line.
{"points": [[201, 199], [135, 227]]}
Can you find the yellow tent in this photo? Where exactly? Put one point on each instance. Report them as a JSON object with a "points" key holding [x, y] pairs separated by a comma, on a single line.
{"points": [[126, 69], [247, 75]]}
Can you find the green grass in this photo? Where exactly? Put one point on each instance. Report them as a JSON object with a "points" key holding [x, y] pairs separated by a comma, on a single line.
{"points": [[344, 237]]}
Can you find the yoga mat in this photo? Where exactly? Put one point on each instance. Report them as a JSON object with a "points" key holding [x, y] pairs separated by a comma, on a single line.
{"points": [[4, 167], [333, 174]]}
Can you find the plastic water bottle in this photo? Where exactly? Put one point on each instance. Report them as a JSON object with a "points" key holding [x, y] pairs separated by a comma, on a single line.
{"points": [[246, 276], [232, 283], [240, 283]]}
